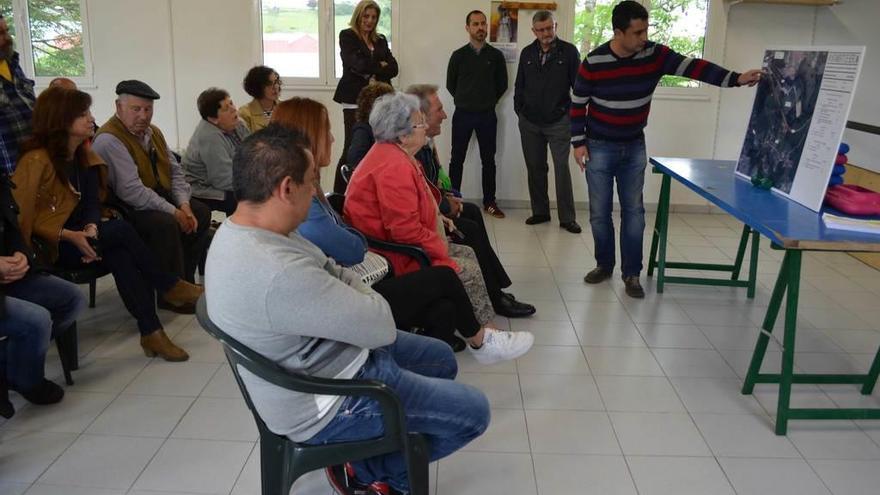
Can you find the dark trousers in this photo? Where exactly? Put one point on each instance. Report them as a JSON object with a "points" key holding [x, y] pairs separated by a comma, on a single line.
{"points": [[432, 298], [471, 224], [485, 125], [535, 139], [176, 252], [134, 267], [227, 205], [348, 119]]}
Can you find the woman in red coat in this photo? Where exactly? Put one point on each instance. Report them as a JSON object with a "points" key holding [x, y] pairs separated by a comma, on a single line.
{"points": [[388, 198]]}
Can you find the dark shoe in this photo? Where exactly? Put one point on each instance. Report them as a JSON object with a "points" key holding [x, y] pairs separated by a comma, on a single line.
{"points": [[456, 343], [572, 227], [6, 407], [186, 309], [45, 393], [493, 210], [513, 309], [7, 410], [508, 295], [536, 219], [633, 287], [597, 275]]}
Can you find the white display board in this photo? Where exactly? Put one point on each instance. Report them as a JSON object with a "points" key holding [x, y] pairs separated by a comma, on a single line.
{"points": [[798, 118]]}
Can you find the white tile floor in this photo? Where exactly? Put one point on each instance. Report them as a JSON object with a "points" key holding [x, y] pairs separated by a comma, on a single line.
{"points": [[618, 396]]}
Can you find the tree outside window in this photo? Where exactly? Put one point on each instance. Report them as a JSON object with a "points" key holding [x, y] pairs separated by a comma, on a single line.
{"points": [[57, 38], [55, 33], [679, 24]]}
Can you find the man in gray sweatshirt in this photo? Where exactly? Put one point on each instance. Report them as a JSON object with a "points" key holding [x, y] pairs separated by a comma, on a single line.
{"points": [[280, 295]]}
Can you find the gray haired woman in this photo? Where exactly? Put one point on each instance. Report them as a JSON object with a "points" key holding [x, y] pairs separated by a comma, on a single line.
{"points": [[388, 198]]}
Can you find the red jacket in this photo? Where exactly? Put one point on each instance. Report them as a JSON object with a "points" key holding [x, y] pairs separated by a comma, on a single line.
{"points": [[389, 199]]}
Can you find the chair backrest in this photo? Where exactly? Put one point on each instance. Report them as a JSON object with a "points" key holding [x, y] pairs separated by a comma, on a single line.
{"points": [[345, 172]]}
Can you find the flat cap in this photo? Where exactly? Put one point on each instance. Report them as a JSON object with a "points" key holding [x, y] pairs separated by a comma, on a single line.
{"points": [[136, 88]]}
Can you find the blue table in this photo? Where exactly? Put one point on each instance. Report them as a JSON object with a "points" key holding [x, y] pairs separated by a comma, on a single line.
{"points": [[790, 227]]}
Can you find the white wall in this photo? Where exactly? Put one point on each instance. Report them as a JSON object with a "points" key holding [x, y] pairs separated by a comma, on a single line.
{"points": [[181, 47]]}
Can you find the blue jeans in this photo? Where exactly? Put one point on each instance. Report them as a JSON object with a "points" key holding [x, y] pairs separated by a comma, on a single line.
{"points": [[37, 307], [421, 371], [624, 161]]}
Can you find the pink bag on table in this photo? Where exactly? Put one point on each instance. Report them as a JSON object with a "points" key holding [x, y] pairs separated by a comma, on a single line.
{"points": [[853, 200]]}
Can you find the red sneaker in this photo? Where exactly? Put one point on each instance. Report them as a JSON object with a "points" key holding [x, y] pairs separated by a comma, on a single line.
{"points": [[494, 210], [343, 480]]}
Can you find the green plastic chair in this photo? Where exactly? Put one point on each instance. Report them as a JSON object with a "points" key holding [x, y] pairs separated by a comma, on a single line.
{"points": [[283, 461]]}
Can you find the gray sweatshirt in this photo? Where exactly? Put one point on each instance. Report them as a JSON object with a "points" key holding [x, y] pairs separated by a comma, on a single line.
{"points": [[282, 297], [208, 160]]}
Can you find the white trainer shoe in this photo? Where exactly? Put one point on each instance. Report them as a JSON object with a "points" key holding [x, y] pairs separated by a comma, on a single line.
{"points": [[502, 346]]}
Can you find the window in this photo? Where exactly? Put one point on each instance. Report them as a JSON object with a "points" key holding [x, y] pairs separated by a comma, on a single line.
{"points": [[679, 24], [300, 37], [51, 37]]}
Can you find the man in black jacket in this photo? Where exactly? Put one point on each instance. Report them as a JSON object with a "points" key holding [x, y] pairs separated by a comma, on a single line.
{"points": [[541, 98], [32, 307]]}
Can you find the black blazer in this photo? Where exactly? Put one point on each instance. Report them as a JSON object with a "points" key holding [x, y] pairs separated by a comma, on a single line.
{"points": [[359, 65]]}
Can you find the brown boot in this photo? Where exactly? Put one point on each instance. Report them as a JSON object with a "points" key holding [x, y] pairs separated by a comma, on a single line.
{"points": [[158, 344], [183, 294]]}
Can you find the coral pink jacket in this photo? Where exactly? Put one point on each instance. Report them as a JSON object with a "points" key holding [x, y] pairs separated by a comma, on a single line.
{"points": [[389, 199]]}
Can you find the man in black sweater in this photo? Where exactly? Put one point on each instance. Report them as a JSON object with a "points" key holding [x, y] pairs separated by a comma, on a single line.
{"points": [[546, 73], [476, 78]]}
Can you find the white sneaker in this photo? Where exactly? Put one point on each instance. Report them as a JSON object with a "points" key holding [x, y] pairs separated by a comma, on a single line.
{"points": [[502, 346]]}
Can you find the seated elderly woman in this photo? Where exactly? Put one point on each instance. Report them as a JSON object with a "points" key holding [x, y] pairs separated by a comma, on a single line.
{"points": [[388, 198], [362, 134], [208, 158], [434, 298], [263, 84], [59, 183]]}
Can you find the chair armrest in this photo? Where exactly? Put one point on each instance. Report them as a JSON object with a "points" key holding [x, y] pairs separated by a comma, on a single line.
{"points": [[408, 249]]}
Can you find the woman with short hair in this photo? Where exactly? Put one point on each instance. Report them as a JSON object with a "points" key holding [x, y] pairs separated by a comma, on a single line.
{"points": [[388, 198], [366, 57], [208, 158], [59, 185], [263, 84]]}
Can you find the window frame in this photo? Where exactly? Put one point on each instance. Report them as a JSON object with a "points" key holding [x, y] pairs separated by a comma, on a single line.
{"points": [[23, 39], [327, 47]]}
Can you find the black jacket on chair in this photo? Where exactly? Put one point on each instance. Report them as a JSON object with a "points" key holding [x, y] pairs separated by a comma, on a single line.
{"points": [[10, 233], [359, 65]]}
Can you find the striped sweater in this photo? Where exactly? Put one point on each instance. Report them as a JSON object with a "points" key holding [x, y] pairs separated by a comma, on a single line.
{"points": [[618, 91]]}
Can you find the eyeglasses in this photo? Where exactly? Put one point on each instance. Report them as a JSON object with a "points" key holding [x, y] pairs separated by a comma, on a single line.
{"points": [[276, 83]]}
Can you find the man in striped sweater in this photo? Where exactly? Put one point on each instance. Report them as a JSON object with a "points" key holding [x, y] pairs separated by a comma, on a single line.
{"points": [[610, 105]]}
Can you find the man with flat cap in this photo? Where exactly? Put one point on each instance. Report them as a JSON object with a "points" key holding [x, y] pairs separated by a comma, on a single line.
{"points": [[146, 177]]}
